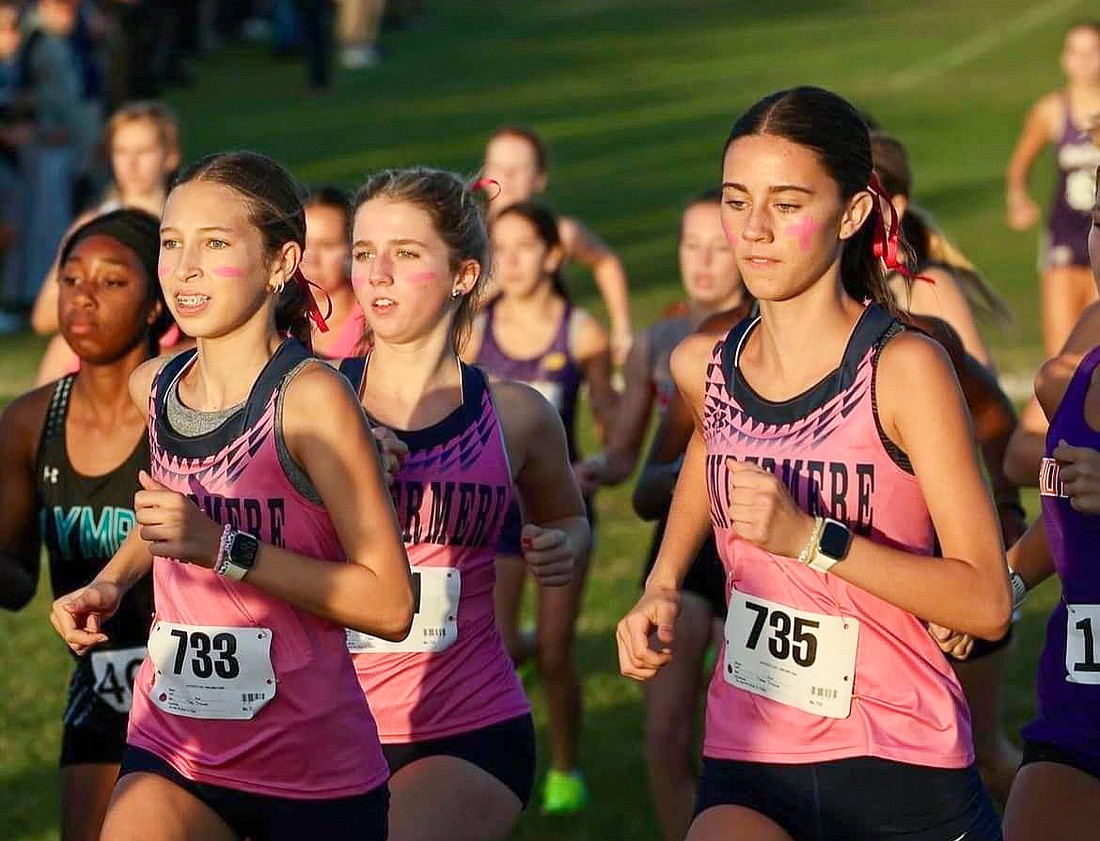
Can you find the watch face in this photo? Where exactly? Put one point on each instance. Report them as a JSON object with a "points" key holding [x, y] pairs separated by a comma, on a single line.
{"points": [[242, 551], [835, 539]]}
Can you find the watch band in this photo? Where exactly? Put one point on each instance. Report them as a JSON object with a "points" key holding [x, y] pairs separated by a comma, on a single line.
{"points": [[824, 557], [226, 565], [1019, 589]]}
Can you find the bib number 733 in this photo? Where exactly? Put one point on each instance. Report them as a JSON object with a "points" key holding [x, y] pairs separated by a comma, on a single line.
{"points": [[795, 657]]}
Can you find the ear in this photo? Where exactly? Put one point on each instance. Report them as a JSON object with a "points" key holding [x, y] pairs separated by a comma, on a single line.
{"points": [[465, 278], [172, 161], [553, 259], [154, 313], [859, 210], [285, 264], [541, 180]]}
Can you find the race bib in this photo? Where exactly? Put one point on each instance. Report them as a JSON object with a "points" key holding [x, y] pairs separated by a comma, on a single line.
{"points": [[1081, 189], [114, 673], [211, 671], [436, 591], [1082, 642], [801, 659]]}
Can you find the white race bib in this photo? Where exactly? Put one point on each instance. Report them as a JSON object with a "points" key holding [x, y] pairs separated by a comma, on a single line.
{"points": [[805, 660], [1082, 643], [114, 673], [436, 591], [211, 671]]}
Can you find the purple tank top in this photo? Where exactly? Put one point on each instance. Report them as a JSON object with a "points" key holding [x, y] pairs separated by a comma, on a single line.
{"points": [[1069, 667], [553, 372], [1075, 186]]}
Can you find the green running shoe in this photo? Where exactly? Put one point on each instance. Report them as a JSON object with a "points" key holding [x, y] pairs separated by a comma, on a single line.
{"points": [[564, 793]]}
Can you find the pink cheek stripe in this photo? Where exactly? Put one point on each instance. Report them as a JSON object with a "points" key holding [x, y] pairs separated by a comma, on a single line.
{"points": [[805, 231], [163, 271], [359, 280], [229, 272], [423, 277]]}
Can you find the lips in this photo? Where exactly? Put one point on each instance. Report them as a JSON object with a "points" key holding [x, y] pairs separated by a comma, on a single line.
{"points": [[190, 303], [383, 304], [81, 326]]}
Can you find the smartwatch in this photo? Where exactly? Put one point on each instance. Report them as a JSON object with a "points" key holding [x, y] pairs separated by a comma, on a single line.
{"points": [[832, 546], [241, 549]]}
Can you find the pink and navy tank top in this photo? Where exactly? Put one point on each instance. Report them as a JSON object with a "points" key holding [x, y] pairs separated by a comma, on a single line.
{"points": [[1068, 221], [250, 692], [815, 669], [554, 372], [451, 674], [1069, 667]]}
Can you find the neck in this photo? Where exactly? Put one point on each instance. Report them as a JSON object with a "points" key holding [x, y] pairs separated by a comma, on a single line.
{"points": [[401, 375], [806, 326], [1089, 88], [698, 311], [227, 366], [152, 202], [532, 305], [106, 386]]}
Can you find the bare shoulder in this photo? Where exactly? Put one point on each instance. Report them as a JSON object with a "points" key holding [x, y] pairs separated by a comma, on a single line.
{"points": [[912, 353], [588, 335], [21, 421], [1049, 109], [691, 356], [318, 384], [141, 381], [523, 412], [569, 229]]}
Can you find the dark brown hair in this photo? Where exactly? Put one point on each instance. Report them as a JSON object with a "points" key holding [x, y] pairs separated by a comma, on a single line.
{"points": [[538, 145]]}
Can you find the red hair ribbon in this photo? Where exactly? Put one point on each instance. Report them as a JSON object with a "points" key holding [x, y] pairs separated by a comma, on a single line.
{"points": [[483, 184], [888, 232], [321, 321]]}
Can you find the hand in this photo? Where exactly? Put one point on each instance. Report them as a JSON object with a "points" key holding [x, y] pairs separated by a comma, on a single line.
{"points": [[78, 616], [549, 554], [952, 643], [1023, 213], [621, 341], [590, 473], [645, 635], [1080, 476], [174, 526], [392, 451], [763, 512]]}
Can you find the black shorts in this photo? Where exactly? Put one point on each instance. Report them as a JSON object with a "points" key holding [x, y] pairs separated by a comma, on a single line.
{"points": [[510, 531], [983, 648], [259, 817], [859, 799], [505, 750], [93, 732], [1062, 755], [706, 577]]}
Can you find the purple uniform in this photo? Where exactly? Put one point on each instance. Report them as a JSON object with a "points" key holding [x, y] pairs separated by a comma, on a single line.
{"points": [[1069, 668], [1075, 187]]}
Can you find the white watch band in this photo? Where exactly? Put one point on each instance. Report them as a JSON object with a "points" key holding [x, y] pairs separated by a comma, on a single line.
{"points": [[820, 561]]}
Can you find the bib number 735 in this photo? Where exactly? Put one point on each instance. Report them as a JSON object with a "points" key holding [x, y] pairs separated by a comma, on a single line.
{"points": [[795, 657]]}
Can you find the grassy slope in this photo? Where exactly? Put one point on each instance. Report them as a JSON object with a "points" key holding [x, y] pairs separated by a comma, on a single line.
{"points": [[635, 99]]}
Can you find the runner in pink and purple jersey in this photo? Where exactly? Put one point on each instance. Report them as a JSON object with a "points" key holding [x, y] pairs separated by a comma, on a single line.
{"points": [[268, 528], [831, 447], [452, 715]]}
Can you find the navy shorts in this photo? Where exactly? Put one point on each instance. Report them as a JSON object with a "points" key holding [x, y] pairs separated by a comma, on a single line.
{"points": [[505, 750], [93, 732], [258, 817], [1069, 755], [858, 799]]}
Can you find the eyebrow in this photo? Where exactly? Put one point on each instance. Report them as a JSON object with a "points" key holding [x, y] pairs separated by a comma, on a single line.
{"points": [[205, 228], [111, 261], [778, 188], [405, 241]]}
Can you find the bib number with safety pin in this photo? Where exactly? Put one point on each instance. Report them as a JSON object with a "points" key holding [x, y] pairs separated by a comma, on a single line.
{"points": [[1082, 643], [114, 672], [436, 592], [801, 659], [211, 671]]}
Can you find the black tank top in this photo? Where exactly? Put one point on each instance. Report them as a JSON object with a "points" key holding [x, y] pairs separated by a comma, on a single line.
{"points": [[84, 519]]}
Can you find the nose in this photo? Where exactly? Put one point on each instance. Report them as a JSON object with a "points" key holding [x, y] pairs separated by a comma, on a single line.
{"points": [[757, 224], [380, 270], [186, 266]]}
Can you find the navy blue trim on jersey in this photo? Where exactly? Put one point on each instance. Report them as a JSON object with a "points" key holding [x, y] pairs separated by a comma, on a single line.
{"points": [[872, 326], [286, 357]]}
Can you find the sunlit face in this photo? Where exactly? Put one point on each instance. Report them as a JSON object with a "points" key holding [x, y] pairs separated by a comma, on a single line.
{"points": [[707, 264], [522, 261], [9, 32], [139, 160], [511, 162], [105, 305], [212, 263], [783, 215], [325, 261], [1081, 55], [402, 272]]}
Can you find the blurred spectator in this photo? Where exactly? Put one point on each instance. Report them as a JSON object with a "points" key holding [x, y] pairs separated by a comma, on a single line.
{"points": [[315, 25], [47, 83], [359, 23]]}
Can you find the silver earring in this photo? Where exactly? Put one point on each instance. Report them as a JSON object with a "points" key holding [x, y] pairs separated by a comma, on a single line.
{"points": [[456, 293]]}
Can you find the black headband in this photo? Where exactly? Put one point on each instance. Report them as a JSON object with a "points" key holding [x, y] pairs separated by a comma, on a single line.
{"points": [[137, 230]]}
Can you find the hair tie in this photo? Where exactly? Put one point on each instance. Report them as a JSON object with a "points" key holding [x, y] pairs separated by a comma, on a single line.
{"points": [[888, 232], [321, 321], [483, 184]]}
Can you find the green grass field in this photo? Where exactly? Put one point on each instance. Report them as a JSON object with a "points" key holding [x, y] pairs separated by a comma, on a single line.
{"points": [[635, 99]]}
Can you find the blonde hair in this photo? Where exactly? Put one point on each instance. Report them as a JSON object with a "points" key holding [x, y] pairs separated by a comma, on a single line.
{"points": [[164, 120]]}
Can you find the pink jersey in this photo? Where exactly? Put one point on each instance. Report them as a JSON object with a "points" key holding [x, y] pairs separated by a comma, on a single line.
{"points": [[845, 673], [452, 674], [346, 341], [315, 738]]}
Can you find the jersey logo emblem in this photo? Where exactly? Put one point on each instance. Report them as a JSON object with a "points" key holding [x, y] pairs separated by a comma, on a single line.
{"points": [[554, 361], [49, 474]]}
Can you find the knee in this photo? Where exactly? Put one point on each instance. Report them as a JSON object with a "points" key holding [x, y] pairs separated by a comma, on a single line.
{"points": [[668, 738]]}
